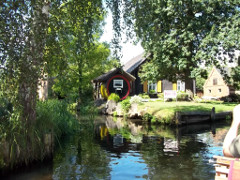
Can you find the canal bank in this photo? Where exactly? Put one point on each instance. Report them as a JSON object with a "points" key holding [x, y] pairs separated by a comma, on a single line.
{"points": [[173, 113]]}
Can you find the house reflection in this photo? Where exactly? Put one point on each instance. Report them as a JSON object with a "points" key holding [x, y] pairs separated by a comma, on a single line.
{"points": [[119, 135]]}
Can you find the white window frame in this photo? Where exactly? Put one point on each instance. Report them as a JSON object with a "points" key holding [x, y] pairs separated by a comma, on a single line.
{"points": [[180, 85], [151, 86], [118, 81]]}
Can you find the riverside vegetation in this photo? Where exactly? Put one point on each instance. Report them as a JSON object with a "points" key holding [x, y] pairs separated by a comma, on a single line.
{"points": [[52, 118]]}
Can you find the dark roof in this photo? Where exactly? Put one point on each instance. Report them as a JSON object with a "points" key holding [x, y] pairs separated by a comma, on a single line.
{"points": [[135, 62], [104, 77]]}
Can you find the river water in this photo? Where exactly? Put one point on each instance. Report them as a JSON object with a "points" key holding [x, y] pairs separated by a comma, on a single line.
{"points": [[113, 148]]}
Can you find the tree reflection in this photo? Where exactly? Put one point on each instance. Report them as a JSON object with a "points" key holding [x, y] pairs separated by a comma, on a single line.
{"points": [[81, 157]]}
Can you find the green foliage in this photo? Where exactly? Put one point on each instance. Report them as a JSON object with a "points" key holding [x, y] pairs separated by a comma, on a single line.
{"points": [[147, 117], [125, 104], [182, 96], [95, 62], [27, 143], [200, 83], [144, 96], [74, 55], [6, 108], [52, 116], [181, 35], [152, 91], [236, 76], [114, 97]]}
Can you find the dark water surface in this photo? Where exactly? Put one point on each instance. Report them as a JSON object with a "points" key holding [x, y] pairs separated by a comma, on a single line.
{"points": [[125, 149]]}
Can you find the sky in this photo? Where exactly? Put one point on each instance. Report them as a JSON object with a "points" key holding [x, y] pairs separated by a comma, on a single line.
{"points": [[129, 50]]}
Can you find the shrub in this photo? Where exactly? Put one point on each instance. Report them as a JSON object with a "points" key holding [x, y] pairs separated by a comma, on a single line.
{"points": [[136, 99], [231, 98], [52, 115], [114, 97], [147, 117], [144, 96], [152, 91], [182, 96], [125, 104]]}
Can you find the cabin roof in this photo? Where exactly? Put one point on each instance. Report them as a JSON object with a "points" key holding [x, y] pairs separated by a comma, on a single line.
{"points": [[104, 77], [135, 62]]}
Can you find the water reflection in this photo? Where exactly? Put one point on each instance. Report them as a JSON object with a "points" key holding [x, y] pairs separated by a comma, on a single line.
{"points": [[175, 153], [114, 148]]}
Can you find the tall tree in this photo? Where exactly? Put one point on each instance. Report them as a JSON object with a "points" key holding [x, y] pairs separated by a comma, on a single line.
{"points": [[23, 34], [78, 24], [183, 34], [95, 62]]}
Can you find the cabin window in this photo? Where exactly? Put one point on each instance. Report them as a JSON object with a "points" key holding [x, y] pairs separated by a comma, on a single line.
{"points": [[209, 91], [180, 85], [118, 83], [152, 87], [215, 81]]}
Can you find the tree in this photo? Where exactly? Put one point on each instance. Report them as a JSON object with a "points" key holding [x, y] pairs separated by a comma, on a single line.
{"points": [[183, 34], [96, 62], [23, 34], [74, 31]]}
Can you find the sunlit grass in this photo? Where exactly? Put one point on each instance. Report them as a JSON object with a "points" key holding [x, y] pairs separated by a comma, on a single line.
{"points": [[167, 110]]}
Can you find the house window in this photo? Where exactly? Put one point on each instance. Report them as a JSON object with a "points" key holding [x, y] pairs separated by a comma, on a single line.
{"points": [[118, 83], [215, 81], [209, 91], [152, 87], [219, 90], [180, 85]]}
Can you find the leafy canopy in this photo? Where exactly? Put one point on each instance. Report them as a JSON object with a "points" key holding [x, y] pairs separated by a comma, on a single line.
{"points": [[183, 34]]}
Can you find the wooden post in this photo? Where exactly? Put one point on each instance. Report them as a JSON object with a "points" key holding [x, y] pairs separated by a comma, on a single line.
{"points": [[213, 114], [178, 118]]}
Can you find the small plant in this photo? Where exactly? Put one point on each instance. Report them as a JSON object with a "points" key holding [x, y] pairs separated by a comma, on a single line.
{"points": [[136, 99], [125, 104], [147, 117], [114, 97], [182, 96], [152, 91], [144, 96]]}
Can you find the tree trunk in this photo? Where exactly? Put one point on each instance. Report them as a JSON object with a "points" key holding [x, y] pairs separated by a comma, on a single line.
{"points": [[80, 88]]}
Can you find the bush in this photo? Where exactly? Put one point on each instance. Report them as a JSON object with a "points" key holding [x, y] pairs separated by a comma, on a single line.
{"points": [[52, 115], [136, 99], [182, 96], [147, 117], [144, 96], [152, 91], [125, 104], [114, 97], [231, 98]]}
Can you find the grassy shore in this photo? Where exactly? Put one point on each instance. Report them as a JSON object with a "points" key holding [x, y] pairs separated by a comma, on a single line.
{"points": [[166, 110]]}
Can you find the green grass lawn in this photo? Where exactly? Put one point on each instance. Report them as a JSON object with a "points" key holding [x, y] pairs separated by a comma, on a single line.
{"points": [[166, 110]]}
